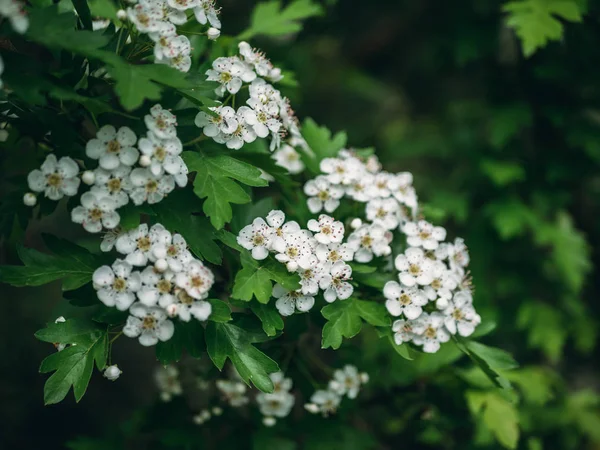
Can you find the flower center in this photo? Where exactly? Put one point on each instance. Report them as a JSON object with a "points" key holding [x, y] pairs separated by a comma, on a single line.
{"points": [[334, 255], [457, 314], [292, 156], [225, 77], [160, 123], [381, 213], [366, 241], [258, 240], [292, 252], [404, 299], [424, 235], [114, 185], [119, 285], [430, 332], [262, 117], [323, 195], [113, 146], [143, 19], [95, 214], [414, 269], [151, 186], [54, 180], [160, 153], [172, 251], [148, 322], [326, 230], [163, 286], [436, 284], [197, 282]]}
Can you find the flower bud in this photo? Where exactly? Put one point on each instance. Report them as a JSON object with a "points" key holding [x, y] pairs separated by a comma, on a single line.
{"points": [[441, 303], [29, 199], [112, 372], [172, 310], [121, 14], [269, 421], [145, 161], [213, 33], [356, 223], [60, 319], [311, 408], [161, 265], [217, 411], [88, 177]]}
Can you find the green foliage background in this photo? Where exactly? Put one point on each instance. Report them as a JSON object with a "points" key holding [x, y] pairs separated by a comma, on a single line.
{"points": [[502, 133]]}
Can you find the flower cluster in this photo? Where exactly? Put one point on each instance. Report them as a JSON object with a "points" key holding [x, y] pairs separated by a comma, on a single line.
{"points": [[13, 10], [146, 173], [170, 283], [318, 255], [279, 403], [167, 381], [159, 19], [266, 112], [345, 382]]}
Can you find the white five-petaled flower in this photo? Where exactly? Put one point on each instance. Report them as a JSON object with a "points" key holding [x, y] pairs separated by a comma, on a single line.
{"points": [[332, 253], [342, 171], [137, 244], [167, 380], [429, 331], [460, 315], [117, 285], [243, 133], [157, 287], [295, 250], [347, 381], [290, 301], [401, 187], [260, 120], [231, 73], [185, 307], [257, 238], [404, 300], [161, 122], [174, 251], [368, 240], [327, 229], [456, 253], [95, 212], [414, 267], [288, 158], [380, 187], [206, 12], [223, 122], [113, 183], [325, 402], [309, 279], [384, 212], [278, 403], [148, 187], [112, 373], [403, 331], [323, 195], [196, 279], [423, 234], [112, 148], [443, 283], [149, 324], [234, 392], [55, 178], [163, 154], [335, 283], [15, 12], [146, 19]]}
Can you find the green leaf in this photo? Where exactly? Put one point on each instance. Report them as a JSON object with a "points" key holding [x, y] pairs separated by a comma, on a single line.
{"points": [[226, 340], [188, 336], [271, 321], [214, 181], [502, 173], [536, 384], [344, 319], [490, 360], [75, 266], [269, 19], [83, 11], [536, 22], [72, 366], [104, 8], [255, 279], [498, 414], [221, 312], [322, 144], [545, 328]]}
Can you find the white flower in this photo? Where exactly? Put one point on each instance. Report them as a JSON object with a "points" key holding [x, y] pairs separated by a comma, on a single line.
{"points": [[213, 33], [117, 285], [56, 178], [457, 255], [114, 184], [257, 238], [148, 187], [112, 147], [324, 402], [149, 323], [185, 307], [309, 279], [276, 219], [290, 301], [423, 234], [384, 212], [401, 187], [14, 11], [380, 186], [96, 212], [196, 279], [460, 315], [346, 381], [157, 287], [182, 5], [262, 66], [404, 300], [264, 96], [181, 62], [327, 229], [333, 253], [110, 239], [360, 190], [202, 416], [429, 332], [223, 122], [260, 120], [145, 19], [137, 244], [29, 199], [323, 195], [163, 153], [342, 171], [206, 12], [112, 373], [443, 283], [296, 250], [335, 284], [167, 380], [234, 392], [242, 134], [414, 267], [403, 331], [279, 403], [174, 251], [161, 122], [369, 240], [230, 72], [288, 158]]}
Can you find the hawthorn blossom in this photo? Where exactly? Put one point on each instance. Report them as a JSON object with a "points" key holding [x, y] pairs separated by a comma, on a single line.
{"points": [[163, 153], [460, 315], [161, 122], [335, 283], [112, 373], [295, 250], [404, 300], [112, 148], [206, 12], [288, 158], [443, 283], [242, 134], [149, 324], [403, 331], [265, 97], [429, 332], [333, 253], [278, 403], [347, 381], [290, 301], [325, 402], [117, 285], [231, 73], [185, 307], [341, 171], [384, 212], [96, 211], [423, 234], [369, 240], [401, 188], [261, 122], [114, 184], [380, 187], [15, 12], [55, 178], [233, 392], [309, 279], [173, 249], [414, 267], [196, 279], [148, 187], [138, 243], [167, 380], [359, 190], [327, 229], [157, 287], [257, 238], [323, 195]]}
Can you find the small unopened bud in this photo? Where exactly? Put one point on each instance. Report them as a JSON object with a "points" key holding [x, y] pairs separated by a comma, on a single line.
{"points": [[364, 377], [172, 310], [161, 265], [311, 408], [29, 199], [441, 303], [269, 421], [356, 223], [217, 411], [145, 161], [60, 319], [112, 372], [121, 14], [213, 33], [88, 177]]}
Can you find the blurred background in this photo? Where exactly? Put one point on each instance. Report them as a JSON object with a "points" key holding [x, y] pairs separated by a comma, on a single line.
{"points": [[505, 151]]}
